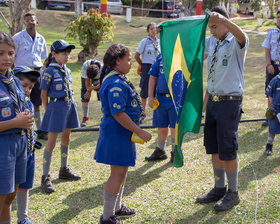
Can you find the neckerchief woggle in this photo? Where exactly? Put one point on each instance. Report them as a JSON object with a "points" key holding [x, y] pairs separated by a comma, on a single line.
{"points": [[128, 82], [153, 43]]}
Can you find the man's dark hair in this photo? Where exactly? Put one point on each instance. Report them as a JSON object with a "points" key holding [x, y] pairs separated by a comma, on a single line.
{"points": [[221, 10], [28, 14], [278, 12]]}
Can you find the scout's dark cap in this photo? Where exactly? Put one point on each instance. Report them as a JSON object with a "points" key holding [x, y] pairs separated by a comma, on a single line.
{"points": [[61, 45], [25, 69]]}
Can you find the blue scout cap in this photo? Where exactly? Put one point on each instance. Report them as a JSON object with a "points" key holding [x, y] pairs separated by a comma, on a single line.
{"points": [[25, 69], [61, 45]]}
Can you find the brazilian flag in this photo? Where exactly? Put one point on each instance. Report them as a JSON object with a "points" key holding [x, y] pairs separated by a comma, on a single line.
{"points": [[182, 47]]}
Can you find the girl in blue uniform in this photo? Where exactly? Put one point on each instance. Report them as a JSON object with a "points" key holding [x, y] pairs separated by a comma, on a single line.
{"points": [[61, 113], [149, 49], [27, 78], [273, 94], [14, 119], [122, 111]]}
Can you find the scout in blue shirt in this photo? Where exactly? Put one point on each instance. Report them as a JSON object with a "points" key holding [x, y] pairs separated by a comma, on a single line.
{"points": [[149, 48], [61, 112], [14, 119], [165, 114], [28, 78], [271, 44], [226, 50], [273, 94], [122, 112], [90, 81]]}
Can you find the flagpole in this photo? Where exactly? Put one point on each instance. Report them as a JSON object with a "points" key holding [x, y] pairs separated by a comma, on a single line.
{"points": [[198, 7]]}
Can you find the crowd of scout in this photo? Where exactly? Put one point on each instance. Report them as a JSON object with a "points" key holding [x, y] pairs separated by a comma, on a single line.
{"points": [[123, 110]]}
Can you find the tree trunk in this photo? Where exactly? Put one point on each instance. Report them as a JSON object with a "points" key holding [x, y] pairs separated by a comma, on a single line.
{"points": [[17, 11], [78, 8], [89, 52]]}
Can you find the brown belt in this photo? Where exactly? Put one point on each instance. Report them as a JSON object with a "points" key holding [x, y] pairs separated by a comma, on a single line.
{"points": [[216, 98]]}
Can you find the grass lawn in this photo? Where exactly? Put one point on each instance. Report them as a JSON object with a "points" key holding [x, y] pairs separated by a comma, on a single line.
{"points": [[160, 192]]}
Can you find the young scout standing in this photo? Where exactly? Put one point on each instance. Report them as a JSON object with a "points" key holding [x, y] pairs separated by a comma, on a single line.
{"points": [[273, 95], [165, 114], [28, 78], [272, 55], [226, 50], [149, 48], [61, 112], [122, 112], [14, 119]]}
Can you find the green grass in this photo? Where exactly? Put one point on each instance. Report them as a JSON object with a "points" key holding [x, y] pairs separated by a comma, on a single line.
{"points": [[159, 192]]}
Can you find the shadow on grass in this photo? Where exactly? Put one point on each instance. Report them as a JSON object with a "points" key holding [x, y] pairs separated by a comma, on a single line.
{"points": [[253, 140], [201, 214], [257, 170], [90, 198]]}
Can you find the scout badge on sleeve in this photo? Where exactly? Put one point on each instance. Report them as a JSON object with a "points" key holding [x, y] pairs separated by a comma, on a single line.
{"points": [[270, 113]]}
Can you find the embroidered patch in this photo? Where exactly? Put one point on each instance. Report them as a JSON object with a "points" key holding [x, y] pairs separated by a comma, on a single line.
{"points": [[116, 89], [6, 112], [115, 105], [225, 62], [116, 94], [4, 98], [58, 87], [149, 53], [134, 103], [3, 94], [119, 107], [47, 75], [56, 80]]}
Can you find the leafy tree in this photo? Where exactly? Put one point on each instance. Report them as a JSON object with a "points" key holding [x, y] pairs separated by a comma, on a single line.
{"points": [[189, 4], [210, 4], [91, 29], [17, 11], [256, 5]]}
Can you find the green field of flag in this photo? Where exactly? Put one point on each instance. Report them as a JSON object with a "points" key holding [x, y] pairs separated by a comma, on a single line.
{"points": [[182, 46]]}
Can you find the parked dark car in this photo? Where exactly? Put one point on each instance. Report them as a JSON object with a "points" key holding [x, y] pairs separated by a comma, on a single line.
{"points": [[167, 5], [4, 2], [55, 5]]}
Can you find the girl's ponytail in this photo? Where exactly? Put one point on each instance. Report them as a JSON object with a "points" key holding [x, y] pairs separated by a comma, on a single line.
{"points": [[102, 75], [48, 60]]}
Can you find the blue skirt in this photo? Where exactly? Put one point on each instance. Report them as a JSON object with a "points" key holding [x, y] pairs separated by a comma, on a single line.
{"points": [[59, 116], [114, 146]]}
